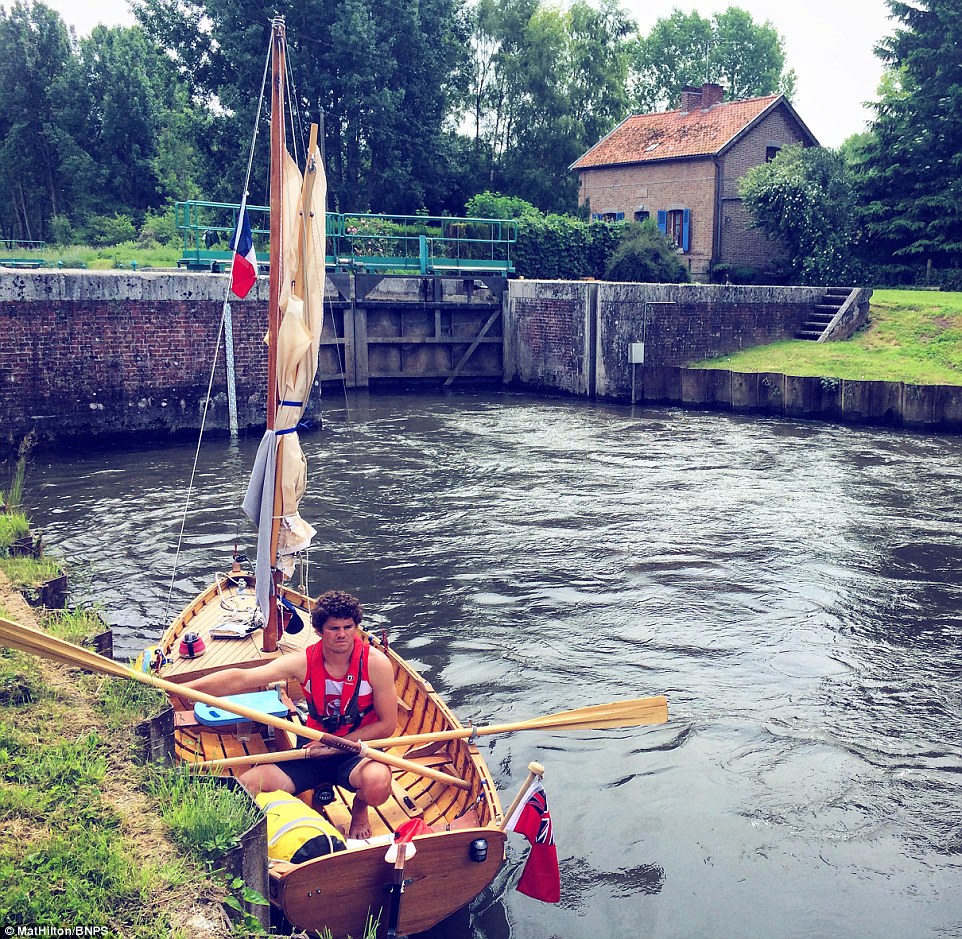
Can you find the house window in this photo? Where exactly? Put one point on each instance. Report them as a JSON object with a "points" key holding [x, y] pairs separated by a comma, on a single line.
{"points": [[771, 153], [642, 215], [675, 225]]}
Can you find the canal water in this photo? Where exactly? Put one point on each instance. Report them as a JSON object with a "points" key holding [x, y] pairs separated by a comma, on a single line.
{"points": [[794, 589]]}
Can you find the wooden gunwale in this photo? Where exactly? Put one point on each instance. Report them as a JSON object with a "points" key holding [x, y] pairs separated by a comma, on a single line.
{"points": [[294, 887]]}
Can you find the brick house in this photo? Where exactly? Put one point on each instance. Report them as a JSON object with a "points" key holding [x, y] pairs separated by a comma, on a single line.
{"points": [[682, 169]]}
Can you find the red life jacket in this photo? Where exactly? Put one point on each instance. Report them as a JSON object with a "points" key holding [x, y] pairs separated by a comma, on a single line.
{"points": [[345, 703]]}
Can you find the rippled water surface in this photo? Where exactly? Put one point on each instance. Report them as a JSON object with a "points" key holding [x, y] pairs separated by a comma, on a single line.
{"points": [[793, 588]]}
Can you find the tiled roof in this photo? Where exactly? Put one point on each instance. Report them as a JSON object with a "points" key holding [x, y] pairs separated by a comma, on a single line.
{"points": [[668, 135]]}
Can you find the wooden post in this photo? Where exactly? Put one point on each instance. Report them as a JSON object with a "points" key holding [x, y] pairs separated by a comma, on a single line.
{"points": [[535, 771]]}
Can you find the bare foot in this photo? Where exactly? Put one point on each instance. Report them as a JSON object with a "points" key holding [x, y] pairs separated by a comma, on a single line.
{"points": [[360, 821]]}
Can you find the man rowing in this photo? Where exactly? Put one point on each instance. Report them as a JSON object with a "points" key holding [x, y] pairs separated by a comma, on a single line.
{"points": [[349, 686]]}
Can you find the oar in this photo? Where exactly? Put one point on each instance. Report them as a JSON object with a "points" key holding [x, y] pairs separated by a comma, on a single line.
{"points": [[632, 713], [42, 644]]}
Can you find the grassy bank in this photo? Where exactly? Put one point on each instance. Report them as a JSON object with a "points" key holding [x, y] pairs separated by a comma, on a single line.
{"points": [[88, 837], [81, 842], [122, 256], [913, 336]]}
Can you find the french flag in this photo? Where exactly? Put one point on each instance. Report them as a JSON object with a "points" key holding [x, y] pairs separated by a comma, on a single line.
{"points": [[243, 272]]}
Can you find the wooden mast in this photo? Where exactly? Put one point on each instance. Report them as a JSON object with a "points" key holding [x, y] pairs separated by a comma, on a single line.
{"points": [[277, 273]]}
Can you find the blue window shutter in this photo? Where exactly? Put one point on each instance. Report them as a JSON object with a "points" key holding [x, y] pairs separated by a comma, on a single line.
{"points": [[663, 222], [685, 227], [619, 216]]}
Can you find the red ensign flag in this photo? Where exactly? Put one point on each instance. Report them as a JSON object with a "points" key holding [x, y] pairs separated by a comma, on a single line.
{"points": [[540, 878]]}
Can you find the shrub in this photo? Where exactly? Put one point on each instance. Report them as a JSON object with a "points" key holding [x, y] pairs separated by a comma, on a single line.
{"points": [[644, 256], [159, 229], [743, 274], [561, 247], [803, 200], [106, 230], [495, 205], [61, 230], [912, 275]]}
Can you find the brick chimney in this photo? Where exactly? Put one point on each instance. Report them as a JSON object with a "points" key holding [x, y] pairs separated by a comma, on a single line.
{"points": [[711, 94], [690, 98]]}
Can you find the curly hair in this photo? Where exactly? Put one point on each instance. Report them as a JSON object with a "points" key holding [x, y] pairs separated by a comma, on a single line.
{"points": [[336, 603]]}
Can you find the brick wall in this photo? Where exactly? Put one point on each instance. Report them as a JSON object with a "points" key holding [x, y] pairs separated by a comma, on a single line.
{"points": [[110, 352], [574, 337], [547, 335], [683, 323], [686, 184], [104, 353]]}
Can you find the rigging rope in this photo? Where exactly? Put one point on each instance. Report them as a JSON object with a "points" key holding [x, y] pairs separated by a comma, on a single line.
{"points": [[220, 336]]}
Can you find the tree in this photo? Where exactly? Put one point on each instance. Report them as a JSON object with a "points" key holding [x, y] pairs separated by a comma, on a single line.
{"points": [[804, 199], [549, 82], [910, 171], [34, 53], [730, 49], [111, 105], [494, 205], [381, 71]]}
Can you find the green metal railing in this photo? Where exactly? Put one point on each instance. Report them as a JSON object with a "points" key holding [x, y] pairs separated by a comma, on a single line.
{"points": [[374, 243]]}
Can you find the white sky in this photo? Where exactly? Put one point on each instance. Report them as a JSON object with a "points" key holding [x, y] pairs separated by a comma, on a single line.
{"points": [[828, 42]]}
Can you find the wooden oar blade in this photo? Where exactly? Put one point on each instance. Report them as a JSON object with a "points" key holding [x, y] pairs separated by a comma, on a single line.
{"points": [[632, 713], [26, 639]]}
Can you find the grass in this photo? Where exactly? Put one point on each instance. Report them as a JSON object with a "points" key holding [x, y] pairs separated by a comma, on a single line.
{"points": [[205, 817], [28, 573], [65, 853], [13, 527], [108, 258], [913, 336]]}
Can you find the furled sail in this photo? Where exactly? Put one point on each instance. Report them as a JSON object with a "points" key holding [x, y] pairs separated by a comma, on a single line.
{"points": [[298, 342]]}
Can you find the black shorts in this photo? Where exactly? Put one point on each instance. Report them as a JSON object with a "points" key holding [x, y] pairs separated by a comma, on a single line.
{"points": [[318, 771]]}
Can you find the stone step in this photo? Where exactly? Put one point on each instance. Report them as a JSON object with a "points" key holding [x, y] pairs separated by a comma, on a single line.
{"points": [[808, 333], [837, 292], [827, 308]]}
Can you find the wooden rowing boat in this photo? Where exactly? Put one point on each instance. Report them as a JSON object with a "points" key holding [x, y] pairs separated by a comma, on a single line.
{"points": [[445, 784], [338, 891]]}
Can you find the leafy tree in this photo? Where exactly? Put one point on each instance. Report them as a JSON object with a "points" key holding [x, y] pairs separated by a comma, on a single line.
{"points": [[34, 52], [111, 108], [645, 256], [804, 200], [381, 71], [548, 83], [910, 171], [730, 49]]}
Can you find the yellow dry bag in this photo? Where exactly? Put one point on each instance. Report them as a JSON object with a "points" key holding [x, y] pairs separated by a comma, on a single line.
{"points": [[295, 832]]}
